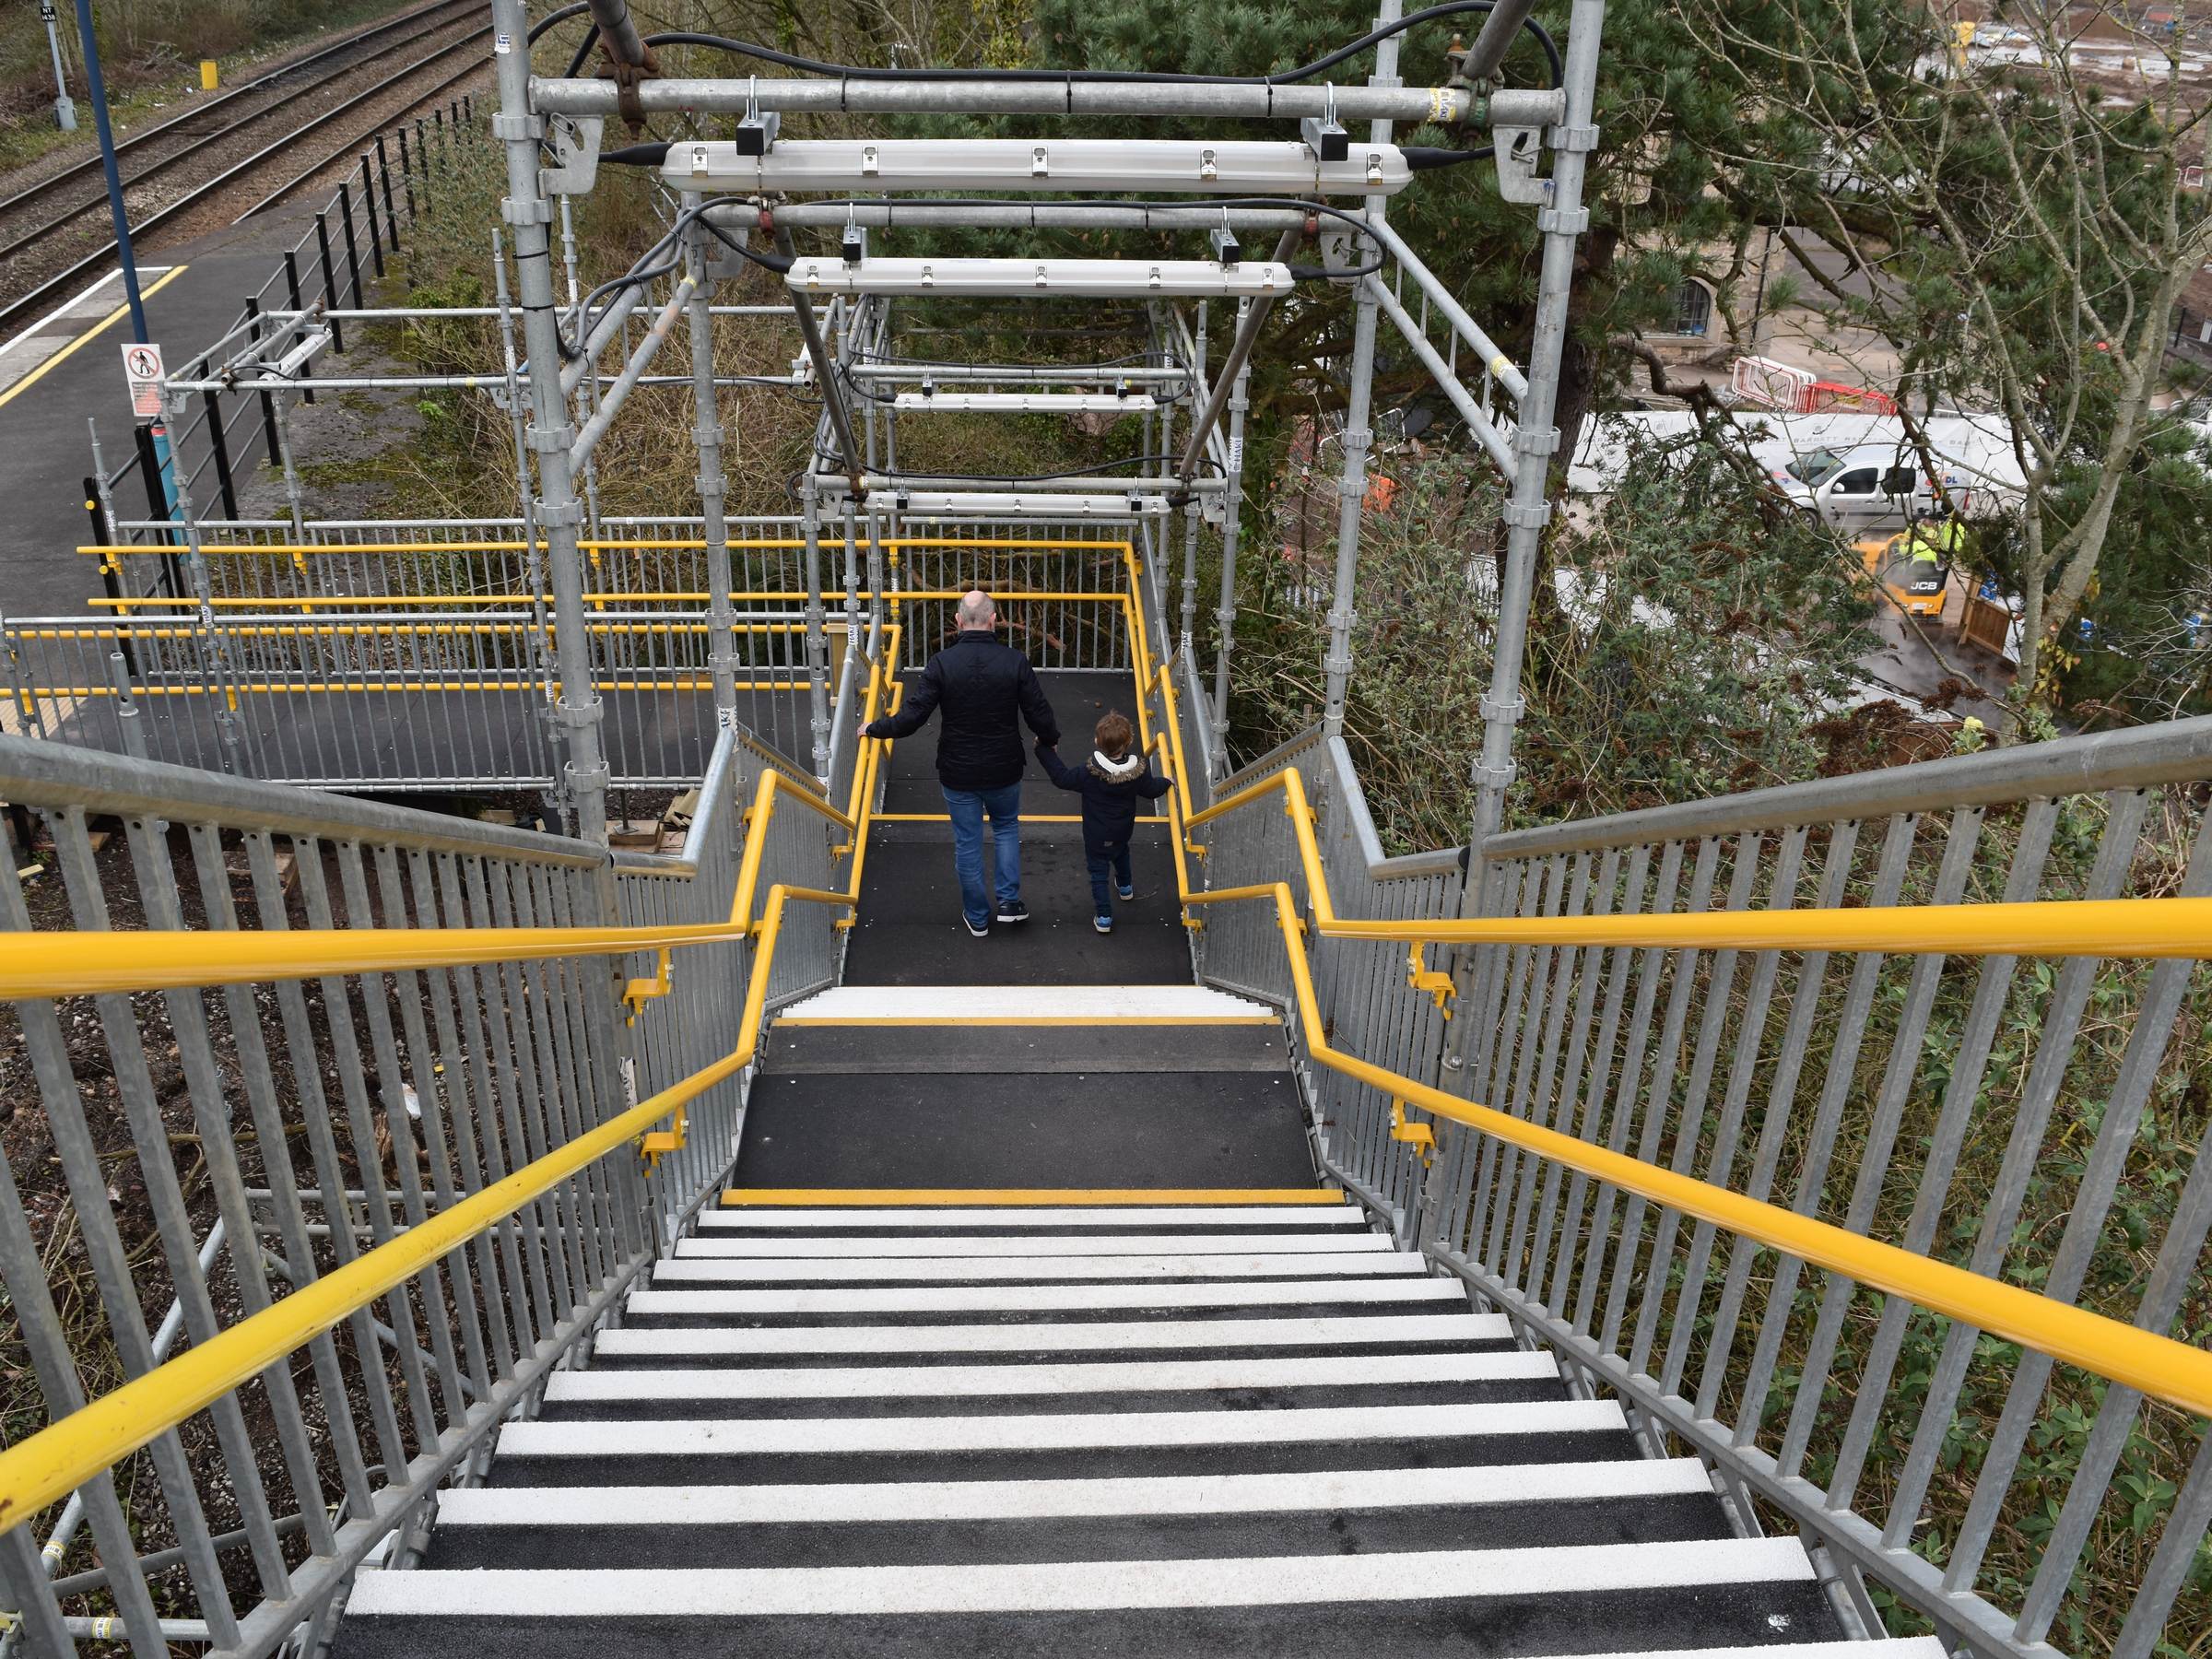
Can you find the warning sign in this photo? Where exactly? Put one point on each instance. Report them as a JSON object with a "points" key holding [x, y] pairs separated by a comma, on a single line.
{"points": [[142, 367]]}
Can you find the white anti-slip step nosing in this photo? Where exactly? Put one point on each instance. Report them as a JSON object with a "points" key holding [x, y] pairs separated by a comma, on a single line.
{"points": [[1105, 1244], [634, 1342], [1072, 1005], [1355, 1264], [1069, 1587], [1139, 1376], [936, 1501], [1038, 1299], [756, 1437], [953, 1220]]}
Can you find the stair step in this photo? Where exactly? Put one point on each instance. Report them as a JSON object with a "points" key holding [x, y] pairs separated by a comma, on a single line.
{"points": [[1022, 1204], [937, 1524], [1007, 1220], [924, 1382], [1026, 1005], [698, 1270], [846, 1437], [1446, 1295], [865, 1341], [844, 1592], [1015, 1500], [876, 1247]]}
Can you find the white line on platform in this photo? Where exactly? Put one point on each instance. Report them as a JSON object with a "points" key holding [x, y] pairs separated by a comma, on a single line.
{"points": [[1029, 1299], [972, 1269], [646, 1342], [929, 1500], [1054, 1586], [762, 1436], [1089, 1244], [67, 306], [1136, 1376]]}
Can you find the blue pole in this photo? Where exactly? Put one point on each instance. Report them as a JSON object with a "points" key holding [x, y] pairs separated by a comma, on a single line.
{"points": [[96, 89]]}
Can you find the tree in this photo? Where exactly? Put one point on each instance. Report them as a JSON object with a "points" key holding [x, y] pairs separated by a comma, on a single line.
{"points": [[2013, 222]]}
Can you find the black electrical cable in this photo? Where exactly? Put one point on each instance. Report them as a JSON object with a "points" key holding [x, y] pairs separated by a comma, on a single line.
{"points": [[562, 15], [1422, 158], [768, 54], [642, 273]]}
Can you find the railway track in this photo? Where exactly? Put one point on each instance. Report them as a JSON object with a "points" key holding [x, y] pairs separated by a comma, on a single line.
{"points": [[158, 149]]}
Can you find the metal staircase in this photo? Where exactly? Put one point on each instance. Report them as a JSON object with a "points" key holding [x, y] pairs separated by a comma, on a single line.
{"points": [[1197, 1425]]}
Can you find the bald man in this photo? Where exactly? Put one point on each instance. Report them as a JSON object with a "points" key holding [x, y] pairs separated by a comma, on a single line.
{"points": [[985, 689]]}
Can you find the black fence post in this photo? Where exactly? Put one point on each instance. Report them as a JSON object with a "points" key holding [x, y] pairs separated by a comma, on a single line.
{"points": [[291, 282], [384, 169], [157, 503], [438, 118], [330, 280], [353, 256], [406, 174], [110, 575], [376, 243], [229, 486], [268, 403]]}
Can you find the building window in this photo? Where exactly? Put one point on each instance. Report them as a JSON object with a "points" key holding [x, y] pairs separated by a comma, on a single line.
{"points": [[1693, 308]]}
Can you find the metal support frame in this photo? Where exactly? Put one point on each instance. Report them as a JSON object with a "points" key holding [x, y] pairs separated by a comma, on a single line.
{"points": [[558, 512], [1232, 503], [1233, 362], [1535, 438], [1358, 437], [706, 433]]}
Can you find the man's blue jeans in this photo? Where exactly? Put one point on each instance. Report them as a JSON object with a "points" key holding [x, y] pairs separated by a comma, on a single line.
{"points": [[968, 808]]}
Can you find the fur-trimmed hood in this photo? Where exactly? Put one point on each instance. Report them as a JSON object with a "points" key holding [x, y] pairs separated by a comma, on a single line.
{"points": [[1115, 771]]}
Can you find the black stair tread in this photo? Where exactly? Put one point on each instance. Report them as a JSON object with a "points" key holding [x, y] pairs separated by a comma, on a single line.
{"points": [[1203, 1129], [1510, 1624], [909, 930], [510, 1469], [1242, 1399], [1635, 1520]]}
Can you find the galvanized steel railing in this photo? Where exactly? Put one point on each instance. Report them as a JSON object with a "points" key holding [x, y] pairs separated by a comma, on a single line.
{"points": [[454, 1210], [1703, 1132], [419, 656]]}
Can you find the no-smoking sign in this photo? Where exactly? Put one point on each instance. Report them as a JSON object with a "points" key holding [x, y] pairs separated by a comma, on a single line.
{"points": [[142, 368]]}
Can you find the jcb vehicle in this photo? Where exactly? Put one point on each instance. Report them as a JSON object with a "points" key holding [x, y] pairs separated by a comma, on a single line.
{"points": [[1915, 585]]}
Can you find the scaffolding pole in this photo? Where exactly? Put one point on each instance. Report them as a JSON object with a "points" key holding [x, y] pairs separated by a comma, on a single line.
{"points": [[1359, 435], [578, 712], [706, 434]]}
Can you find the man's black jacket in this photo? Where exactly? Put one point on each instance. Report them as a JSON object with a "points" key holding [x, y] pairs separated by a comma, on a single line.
{"points": [[981, 684]]}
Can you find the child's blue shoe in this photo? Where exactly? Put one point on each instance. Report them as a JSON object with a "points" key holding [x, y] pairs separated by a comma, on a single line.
{"points": [[1103, 923], [1127, 892]]}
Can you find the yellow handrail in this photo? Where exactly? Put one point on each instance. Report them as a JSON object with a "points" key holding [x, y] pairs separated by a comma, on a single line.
{"points": [[2142, 1359], [2091, 927], [97, 1436], [78, 964]]}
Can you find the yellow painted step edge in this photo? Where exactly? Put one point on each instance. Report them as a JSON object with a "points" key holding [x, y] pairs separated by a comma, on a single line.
{"points": [[992, 1198]]}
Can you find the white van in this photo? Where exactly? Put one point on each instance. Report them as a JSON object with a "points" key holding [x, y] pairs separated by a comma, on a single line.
{"points": [[1866, 488]]}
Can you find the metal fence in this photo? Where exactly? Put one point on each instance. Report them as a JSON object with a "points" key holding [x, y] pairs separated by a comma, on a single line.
{"points": [[1365, 994], [420, 655], [237, 1135], [211, 450], [2039, 1122]]}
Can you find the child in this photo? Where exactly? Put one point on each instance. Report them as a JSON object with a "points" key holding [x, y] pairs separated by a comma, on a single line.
{"points": [[1110, 784]]}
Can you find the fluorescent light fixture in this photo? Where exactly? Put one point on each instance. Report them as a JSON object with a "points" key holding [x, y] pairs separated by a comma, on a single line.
{"points": [[1098, 278], [1024, 403], [1129, 166]]}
